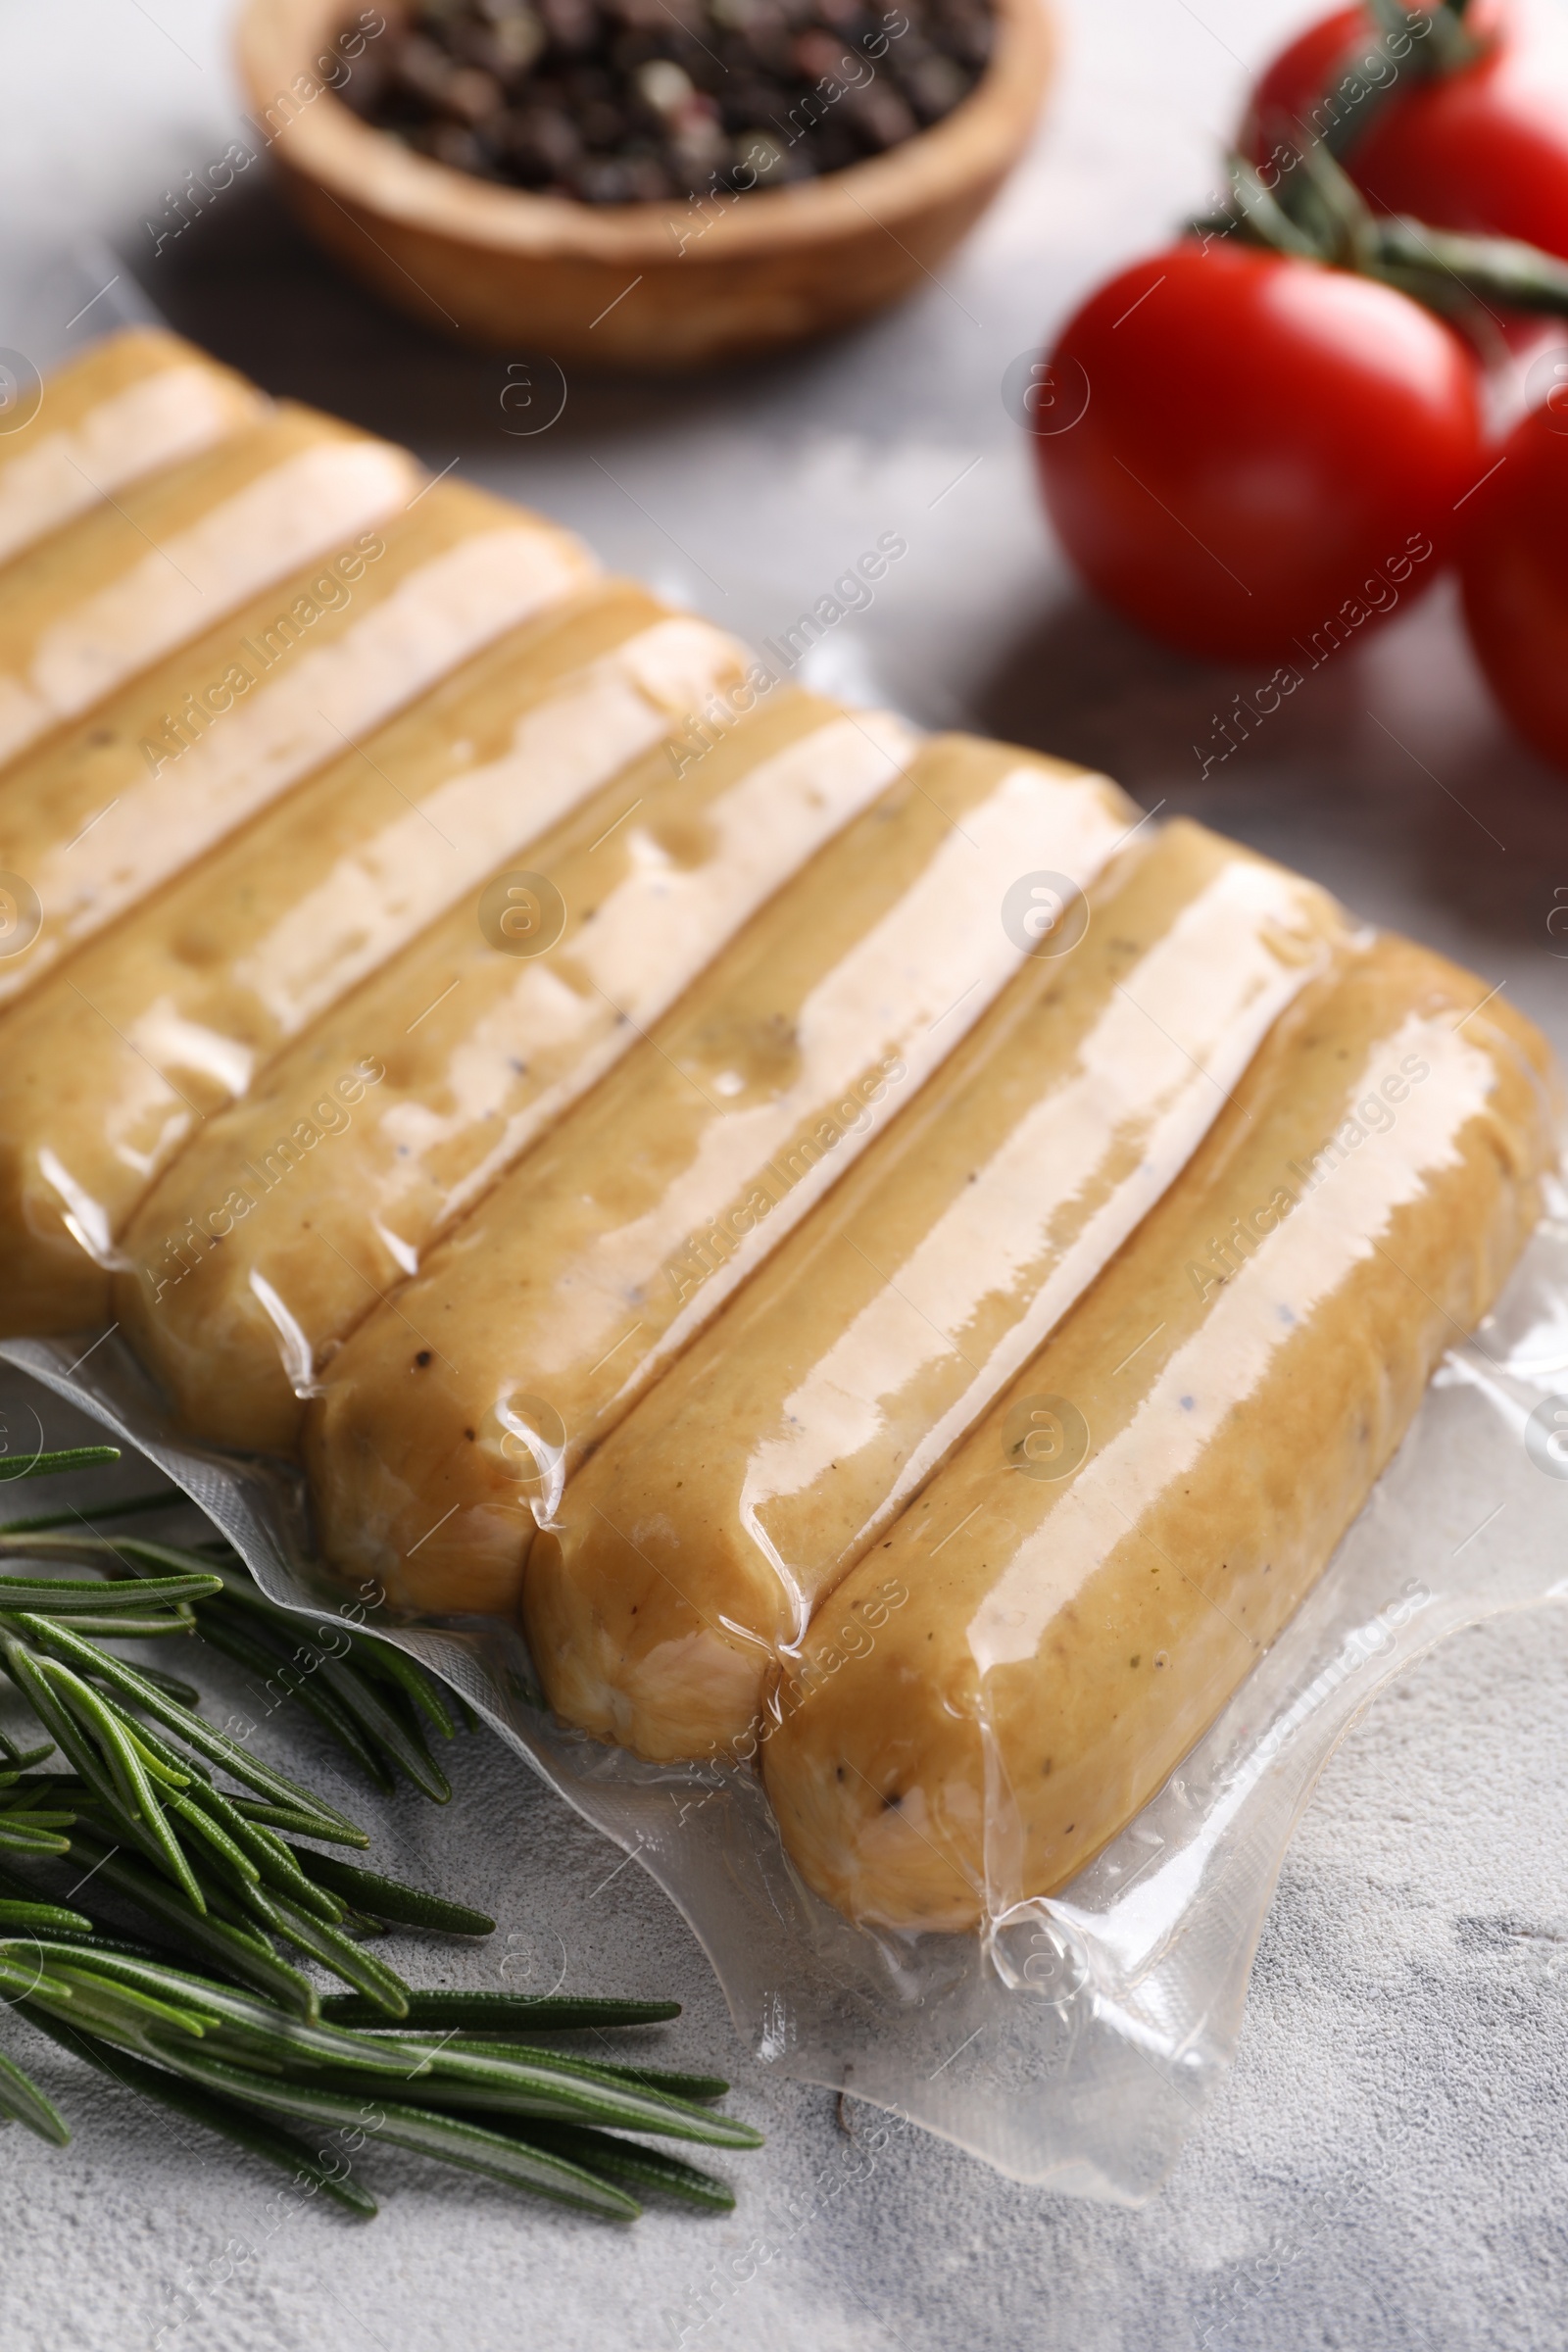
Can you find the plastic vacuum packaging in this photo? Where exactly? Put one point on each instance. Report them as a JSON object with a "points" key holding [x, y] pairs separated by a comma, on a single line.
{"points": [[898, 1328], [1074, 2041]]}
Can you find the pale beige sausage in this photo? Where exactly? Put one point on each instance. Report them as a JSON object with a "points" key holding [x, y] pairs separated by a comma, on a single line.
{"points": [[696, 1544], [146, 571], [283, 1227], [1078, 1592], [558, 1301], [108, 809], [111, 1065], [134, 403]]}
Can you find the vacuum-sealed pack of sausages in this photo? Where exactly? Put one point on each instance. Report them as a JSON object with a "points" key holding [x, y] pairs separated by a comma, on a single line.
{"points": [[918, 1342]]}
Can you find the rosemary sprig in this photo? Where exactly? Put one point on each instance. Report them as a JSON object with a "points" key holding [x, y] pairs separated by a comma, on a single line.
{"points": [[53, 1466], [506, 2014], [206, 2016], [379, 1705]]}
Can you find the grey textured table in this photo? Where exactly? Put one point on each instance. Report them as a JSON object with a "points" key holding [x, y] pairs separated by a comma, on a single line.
{"points": [[1388, 2164]]}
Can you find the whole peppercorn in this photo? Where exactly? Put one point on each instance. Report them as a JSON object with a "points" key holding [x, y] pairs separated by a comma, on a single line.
{"points": [[628, 100]]}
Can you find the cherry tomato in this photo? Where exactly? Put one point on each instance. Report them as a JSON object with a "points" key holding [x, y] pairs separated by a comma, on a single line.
{"points": [[1263, 439], [1515, 580], [1485, 149]]}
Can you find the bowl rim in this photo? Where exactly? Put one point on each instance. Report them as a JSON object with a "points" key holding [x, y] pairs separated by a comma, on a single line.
{"points": [[367, 171]]}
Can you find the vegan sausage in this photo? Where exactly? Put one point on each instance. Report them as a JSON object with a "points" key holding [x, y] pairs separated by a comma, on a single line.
{"points": [[1015, 1670], [699, 1541], [111, 1065], [566, 1291], [279, 1229]]}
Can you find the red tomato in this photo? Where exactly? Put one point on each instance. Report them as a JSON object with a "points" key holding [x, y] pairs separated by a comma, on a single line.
{"points": [[1263, 439], [1485, 149], [1516, 582]]}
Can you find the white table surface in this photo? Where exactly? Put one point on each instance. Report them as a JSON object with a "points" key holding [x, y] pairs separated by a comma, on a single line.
{"points": [[1388, 2165]]}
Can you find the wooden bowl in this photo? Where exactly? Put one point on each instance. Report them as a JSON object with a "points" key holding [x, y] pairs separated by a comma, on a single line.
{"points": [[640, 285]]}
